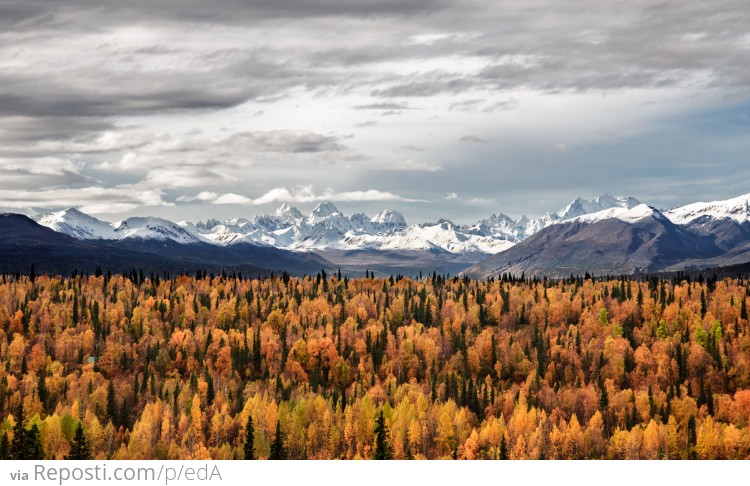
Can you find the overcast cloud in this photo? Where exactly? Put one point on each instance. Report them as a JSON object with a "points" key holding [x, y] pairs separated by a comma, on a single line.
{"points": [[459, 109]]}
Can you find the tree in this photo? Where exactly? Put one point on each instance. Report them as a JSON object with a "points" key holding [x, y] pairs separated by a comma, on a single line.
{"points": [[33, 449], [112, 409], [79, 449], [249, 439], [42, 392], [19, 435], [382, 448], [278, 450], [4, 448]]}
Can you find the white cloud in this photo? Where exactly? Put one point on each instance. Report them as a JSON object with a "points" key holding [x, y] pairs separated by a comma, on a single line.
{"points": [[300, 194], [232, 198], [205, 196], [451, 196], [91, 200], [306, 194]]}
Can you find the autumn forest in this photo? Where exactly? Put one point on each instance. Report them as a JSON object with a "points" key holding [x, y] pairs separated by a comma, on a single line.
{"points": [[134, 366]]}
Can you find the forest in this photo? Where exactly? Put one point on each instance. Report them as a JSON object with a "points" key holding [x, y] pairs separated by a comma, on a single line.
{"points": [[134, 366]]}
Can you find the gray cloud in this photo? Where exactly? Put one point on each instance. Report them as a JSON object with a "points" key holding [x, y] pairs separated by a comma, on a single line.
{"points": [[286, 141], [383, 106], [472, 139]]}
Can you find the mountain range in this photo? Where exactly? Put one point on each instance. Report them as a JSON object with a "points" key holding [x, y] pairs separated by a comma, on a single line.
{"points": [[606, 234]]}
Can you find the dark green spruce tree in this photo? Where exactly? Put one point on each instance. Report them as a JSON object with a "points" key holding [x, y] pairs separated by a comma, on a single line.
{"points": [[33, 449], [4, 447], [79, 449], [278, 450], [19, 435], [382, 448], [249, 439]]}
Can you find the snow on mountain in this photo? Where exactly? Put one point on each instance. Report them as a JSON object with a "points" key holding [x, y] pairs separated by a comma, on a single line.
{"points": [[360, 222], [152, 228], [628, 215], [322, 211], [737, 209], [288, 213], [73, 222], [443, 235], [580, 207], [326, 227], [500, 226], [389, 219]]}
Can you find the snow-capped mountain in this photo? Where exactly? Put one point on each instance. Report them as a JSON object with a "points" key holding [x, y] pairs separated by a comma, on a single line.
{"points": [[500, 226], [390, 220], [624, 214], [606, 234], [737, 209], [73, 222], [150, 228], [580, 207], [328, 228]]}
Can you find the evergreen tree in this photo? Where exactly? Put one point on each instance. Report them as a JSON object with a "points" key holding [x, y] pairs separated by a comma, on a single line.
{"points": [[112, 409], [79, 449], [4, 447], [278, 450], [32, 449], [41, 389], [503, 448], [19, 435], [249, 439], [382, 448], [604, 399]]}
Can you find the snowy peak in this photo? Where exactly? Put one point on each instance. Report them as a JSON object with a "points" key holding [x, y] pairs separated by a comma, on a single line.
{"points": [[328, 228], [500, 226], [152, 228], [73, 222], [625, 214], [286, 212], [328, 217], [324, 209], [581, 206], [737, 209], [390, 219]]}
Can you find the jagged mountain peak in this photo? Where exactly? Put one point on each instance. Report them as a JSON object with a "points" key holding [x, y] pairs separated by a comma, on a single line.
{"points": [[325, 209], [286, 212], [77, 224], [153, 228], [580, 206], [326, 228], [389, 217]]}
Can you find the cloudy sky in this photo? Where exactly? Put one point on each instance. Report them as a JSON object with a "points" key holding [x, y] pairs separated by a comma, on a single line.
{"points": [[189, 109]]}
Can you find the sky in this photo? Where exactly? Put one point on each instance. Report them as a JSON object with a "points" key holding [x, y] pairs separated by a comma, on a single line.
{"points": [[459, 109]]}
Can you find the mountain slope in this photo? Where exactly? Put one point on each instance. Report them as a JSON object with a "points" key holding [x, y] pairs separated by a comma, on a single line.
{"points": [[73, 222], [606, 234], [24, 242], [610, 242]]}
